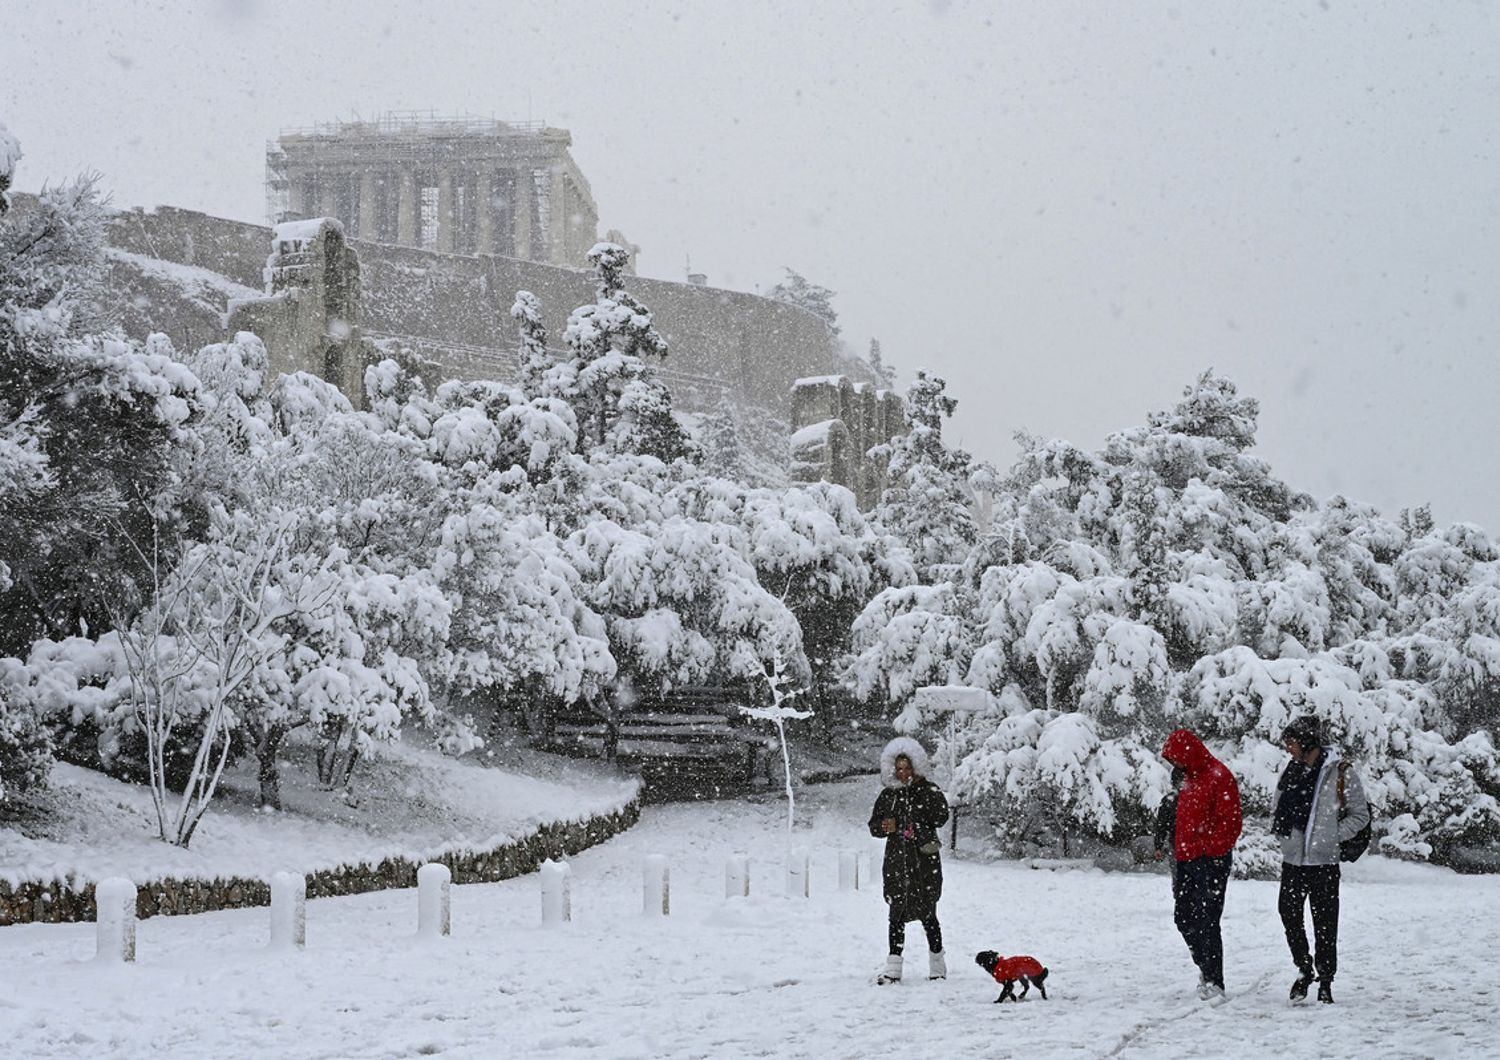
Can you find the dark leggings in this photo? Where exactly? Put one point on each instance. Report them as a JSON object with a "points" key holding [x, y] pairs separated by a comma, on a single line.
{"points": [[929, 924], [1199, 890], [1320, 883]]}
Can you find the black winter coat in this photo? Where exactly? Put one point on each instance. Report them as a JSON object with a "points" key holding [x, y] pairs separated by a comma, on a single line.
{"points": [[913, 880]]}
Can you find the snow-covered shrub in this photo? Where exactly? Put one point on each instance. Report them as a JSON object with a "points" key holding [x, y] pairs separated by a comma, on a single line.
{"points": [[25, 750]]}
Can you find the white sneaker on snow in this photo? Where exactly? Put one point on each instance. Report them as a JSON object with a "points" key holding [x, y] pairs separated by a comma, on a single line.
{"points": [[937, 965], [892, 971]]}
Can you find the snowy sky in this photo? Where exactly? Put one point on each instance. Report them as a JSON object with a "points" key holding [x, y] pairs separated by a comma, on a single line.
{"points": [[1066, 209]]}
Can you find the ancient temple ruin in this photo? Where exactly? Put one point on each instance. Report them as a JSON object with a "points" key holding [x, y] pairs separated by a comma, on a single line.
{"points": [[456, 185]]}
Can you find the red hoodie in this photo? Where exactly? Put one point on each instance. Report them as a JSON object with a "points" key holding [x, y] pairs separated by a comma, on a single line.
{"points": [[1208, 808]]}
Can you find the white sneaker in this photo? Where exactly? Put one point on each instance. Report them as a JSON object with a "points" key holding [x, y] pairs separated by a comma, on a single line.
{"points": [[1211, 993], [892, 973], [937, 965]]}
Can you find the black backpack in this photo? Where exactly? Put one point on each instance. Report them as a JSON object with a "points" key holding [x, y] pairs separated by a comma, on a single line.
{"points": [[1353, 848]]}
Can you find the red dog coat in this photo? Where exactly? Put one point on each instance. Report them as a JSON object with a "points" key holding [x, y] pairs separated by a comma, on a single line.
{"points": [[1011, 968]]}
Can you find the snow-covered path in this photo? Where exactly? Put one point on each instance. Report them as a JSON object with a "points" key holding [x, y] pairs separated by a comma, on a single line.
{"points": [[767, 976]]}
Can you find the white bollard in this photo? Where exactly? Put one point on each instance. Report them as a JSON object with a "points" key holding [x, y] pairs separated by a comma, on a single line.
{"points": [[848, 870], [288, 910], [434, 910], [798, 863], [737, 876], [114, 913], [557, 892], [656, 886]]}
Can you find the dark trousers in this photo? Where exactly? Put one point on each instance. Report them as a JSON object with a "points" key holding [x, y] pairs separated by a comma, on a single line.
{"points": [[1198, 891], [1320, 884], [929, 924]]}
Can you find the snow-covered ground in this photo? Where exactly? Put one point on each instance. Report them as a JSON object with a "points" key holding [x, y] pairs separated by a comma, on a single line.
{"points": [[409, 801], [768, 975]]}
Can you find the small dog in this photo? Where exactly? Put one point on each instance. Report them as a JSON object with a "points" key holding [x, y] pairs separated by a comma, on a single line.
{"points": [[1008, 971]]}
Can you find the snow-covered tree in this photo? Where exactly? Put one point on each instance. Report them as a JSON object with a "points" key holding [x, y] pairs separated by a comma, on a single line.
{"points": [[10, 154], [213, 621], [682, 603], [905, 638], [609, 378], [87, 425], [926, 504], [885, 375], [1170, 578], [778, 712], [797, 290], [25, 746], [721, 440], [531, 353]]}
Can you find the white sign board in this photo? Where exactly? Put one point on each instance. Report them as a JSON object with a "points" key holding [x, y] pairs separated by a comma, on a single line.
{"points": [[953, 699]]}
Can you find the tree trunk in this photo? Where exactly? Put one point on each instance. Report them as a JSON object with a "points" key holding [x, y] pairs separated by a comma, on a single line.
{"points": [[328, 754], [266, 748]]}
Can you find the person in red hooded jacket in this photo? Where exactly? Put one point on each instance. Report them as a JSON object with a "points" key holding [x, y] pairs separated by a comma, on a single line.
{"points": [[1208, 825]]}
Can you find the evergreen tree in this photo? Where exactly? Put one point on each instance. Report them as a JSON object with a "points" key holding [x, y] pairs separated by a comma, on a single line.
{"points": [[885, 375], [798, 291], [721, 441], [532, 353], [10, 154], [926, 503], [613, 387]]}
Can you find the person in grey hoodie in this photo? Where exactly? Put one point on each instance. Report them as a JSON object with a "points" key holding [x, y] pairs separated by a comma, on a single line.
{"points": [[1312, 816]]}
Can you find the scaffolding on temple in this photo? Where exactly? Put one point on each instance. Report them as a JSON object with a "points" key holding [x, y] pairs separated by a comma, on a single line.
{"points": [[461, 184]]}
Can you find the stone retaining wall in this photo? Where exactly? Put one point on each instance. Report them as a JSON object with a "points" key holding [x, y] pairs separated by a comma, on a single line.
{"points": [[59, 901], [752, 345]]}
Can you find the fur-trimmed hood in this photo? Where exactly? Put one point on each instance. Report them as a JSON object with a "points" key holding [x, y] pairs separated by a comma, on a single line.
{"points": [[902, 745]]}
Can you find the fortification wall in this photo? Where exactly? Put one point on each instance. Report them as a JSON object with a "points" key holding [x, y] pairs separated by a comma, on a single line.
{"points": [[755, 346]]}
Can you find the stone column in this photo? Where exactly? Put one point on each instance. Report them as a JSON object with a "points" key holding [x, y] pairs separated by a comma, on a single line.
{"points": [[484, 211], [521, 223], [327, 204], [445, 240], [367, 213], [406, 210], [296, 195]]}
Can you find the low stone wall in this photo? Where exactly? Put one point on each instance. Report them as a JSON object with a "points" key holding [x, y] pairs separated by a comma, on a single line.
{"points": [[58, 901]]}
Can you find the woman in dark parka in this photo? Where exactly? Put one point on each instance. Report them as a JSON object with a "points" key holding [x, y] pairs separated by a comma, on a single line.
{"points": [[908, 814]]}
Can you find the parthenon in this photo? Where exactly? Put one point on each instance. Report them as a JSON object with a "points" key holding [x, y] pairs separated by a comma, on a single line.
{"points": [[461, 185]]}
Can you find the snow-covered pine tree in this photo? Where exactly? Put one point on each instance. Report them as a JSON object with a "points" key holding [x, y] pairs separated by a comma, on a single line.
{"points": [[609, 379], [531, 353], [10, 154], [926, 504], [885, 375], [816, 299], [721, 440]]}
